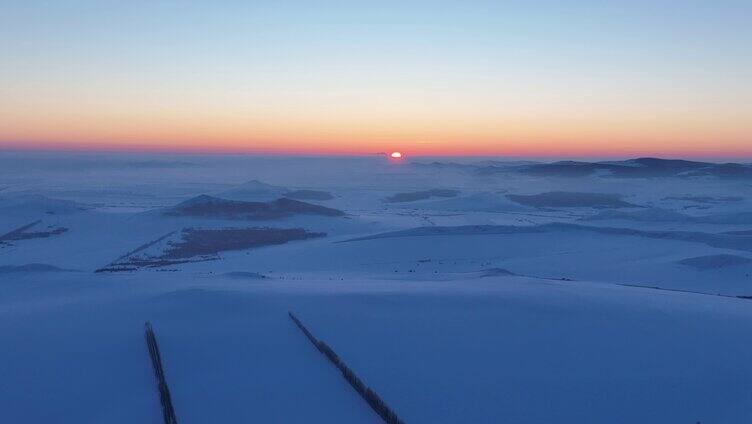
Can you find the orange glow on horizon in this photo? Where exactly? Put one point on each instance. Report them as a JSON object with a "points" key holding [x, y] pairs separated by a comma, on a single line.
{"points": [[215, 124], [553, 149], [358, 135]]}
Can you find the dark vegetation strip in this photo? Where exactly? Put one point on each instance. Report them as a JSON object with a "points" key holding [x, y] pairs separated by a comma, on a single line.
{"points": [[140, 248], [168, 412], [197, 242], [373, 399], [15, 233], [199, 245], [421, 195], [40, 234], [119, 265]]}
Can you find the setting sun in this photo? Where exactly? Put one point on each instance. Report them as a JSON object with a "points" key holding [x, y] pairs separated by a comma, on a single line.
{"points": [[396, 155]]}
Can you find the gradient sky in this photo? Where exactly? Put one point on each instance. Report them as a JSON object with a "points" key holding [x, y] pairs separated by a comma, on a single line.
{"points": [[523, 78]]}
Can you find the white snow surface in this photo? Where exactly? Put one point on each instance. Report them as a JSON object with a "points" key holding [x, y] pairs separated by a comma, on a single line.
{"points": [[470, 309]]}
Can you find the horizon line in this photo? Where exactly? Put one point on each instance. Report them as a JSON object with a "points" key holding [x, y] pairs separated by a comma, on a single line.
{"points": [[83, 148]]}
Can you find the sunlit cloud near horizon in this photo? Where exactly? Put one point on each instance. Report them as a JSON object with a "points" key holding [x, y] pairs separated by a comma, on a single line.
{"points": [[511, 78]]}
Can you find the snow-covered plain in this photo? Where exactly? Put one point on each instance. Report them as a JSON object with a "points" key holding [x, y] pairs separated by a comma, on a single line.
{"points": [[504, 292]]}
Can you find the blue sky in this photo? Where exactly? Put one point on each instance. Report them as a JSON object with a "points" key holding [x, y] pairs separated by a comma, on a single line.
{"points": [[421, 75]]}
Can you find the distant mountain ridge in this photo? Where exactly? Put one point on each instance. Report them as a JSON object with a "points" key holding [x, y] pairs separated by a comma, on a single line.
{"points": [[645, 167]]}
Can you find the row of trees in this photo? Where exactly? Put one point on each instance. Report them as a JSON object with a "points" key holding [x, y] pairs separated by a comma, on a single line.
{"points": [[371, 397], [168, 412]]}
